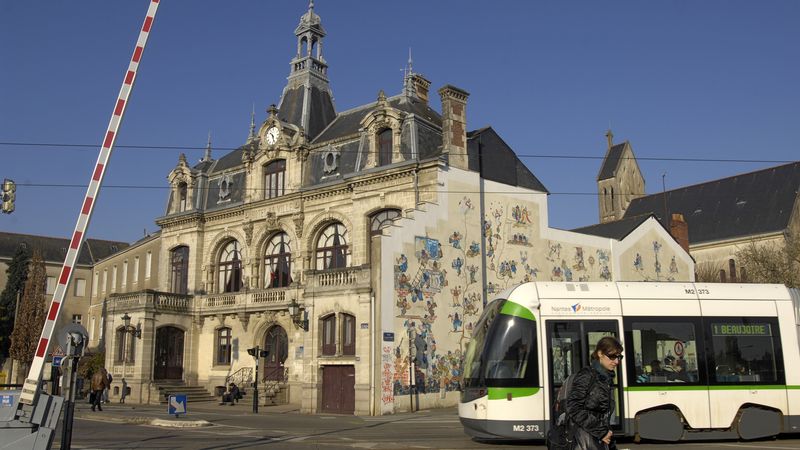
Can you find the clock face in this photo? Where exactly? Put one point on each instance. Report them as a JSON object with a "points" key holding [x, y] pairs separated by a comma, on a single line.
{"points": [[272, 135]]}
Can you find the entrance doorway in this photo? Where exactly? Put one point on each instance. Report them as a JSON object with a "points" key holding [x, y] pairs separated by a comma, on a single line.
{"points": [[168, 362], [569, 347], [339, 389], [277, 344]]}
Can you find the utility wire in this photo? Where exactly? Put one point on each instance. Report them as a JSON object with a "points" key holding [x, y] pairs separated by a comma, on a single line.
{"points": [[323, 150]]}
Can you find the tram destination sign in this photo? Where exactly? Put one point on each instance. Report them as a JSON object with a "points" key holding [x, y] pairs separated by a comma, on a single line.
{"points": [[738, 329]]}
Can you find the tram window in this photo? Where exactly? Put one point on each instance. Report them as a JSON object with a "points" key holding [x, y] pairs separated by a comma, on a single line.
{"points": [[511, 359], [745, 350], [472, 360], [664, 352]]}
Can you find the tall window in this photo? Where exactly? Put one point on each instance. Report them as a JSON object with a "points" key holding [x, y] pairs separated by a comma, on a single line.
{"points": [[182, 190], [332, 249], [382, 219], [223, 346], [329, 335], [135, 269], [230, 268], [148, 264], [278, 262], [114, 278], [125, 349], [105, 280], [80, 287], [95, 282], [50, 285], [124, 273], [722, 277], [385, 147], [732, 270], [348, 334], [274, 179], [180, 270]]}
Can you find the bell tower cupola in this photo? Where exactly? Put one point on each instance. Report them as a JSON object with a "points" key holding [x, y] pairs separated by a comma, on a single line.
{"points": [[307, 100]]}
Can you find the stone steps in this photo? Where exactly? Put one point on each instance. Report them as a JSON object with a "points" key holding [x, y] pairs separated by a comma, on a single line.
{"points": [[193, 393]]}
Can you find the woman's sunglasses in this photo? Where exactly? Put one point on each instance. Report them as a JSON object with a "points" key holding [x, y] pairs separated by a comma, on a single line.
{"points": [[613, 357]]}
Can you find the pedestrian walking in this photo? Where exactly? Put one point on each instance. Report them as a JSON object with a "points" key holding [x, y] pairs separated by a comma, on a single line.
{"points": [[590, 402], [124, 392], [99, 383], [108, 388]]}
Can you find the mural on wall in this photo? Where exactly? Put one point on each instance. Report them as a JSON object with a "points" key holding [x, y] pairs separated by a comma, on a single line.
{"points": [[439, 279], [647, 263]]}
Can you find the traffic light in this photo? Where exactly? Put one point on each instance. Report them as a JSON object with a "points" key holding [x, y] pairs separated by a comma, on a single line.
{"points": [[9, 194]]}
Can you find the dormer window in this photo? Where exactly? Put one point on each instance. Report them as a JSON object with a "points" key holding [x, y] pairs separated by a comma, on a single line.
{"points": [[385, 147], [275, 179]]}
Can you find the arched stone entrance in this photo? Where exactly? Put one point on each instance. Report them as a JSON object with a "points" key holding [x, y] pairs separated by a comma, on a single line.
{"points": [[277, 344], [168, 360]]}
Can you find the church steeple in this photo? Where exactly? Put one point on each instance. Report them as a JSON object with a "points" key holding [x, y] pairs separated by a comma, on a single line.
{"points": [[307, 100]]}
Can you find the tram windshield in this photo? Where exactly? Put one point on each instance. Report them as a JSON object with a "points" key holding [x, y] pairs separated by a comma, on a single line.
{"points": [[502, 352]]}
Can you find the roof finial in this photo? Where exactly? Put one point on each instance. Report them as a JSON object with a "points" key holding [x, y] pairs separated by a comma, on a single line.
{"points": [[207, 156], [408, 72], [252, 134], [610, 137], [311, 5], [410, 62]]}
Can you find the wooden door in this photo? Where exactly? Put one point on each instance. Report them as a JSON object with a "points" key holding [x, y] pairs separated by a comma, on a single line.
{"points": [[276, 344], [339, 389], [168, 363]]}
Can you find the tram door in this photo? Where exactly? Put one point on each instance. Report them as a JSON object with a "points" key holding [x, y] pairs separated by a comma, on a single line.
{"points": [[569, 347]]}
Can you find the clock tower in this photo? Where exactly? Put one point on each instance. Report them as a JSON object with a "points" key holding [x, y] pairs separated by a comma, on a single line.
{"points": [[307, 100]]}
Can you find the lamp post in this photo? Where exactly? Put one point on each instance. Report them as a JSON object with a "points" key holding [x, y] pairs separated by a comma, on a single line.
{"points": [[294, 312], [135, 332]]}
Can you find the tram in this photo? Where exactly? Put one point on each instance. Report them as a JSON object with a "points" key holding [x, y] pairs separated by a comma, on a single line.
{"points": [[702, 361]]}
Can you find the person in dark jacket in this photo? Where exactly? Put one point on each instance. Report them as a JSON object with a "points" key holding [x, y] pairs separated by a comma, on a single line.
{"points": [[590, 403]]}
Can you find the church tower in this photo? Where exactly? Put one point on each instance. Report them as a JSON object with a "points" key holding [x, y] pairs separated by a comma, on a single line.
{"points": [[619, 181], [307, 100]]}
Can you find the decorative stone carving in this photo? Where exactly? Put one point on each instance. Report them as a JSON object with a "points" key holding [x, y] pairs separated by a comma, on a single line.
{"points": [[248, 232], [272, 221], [298, 223], [225, 183], [330, 160]]}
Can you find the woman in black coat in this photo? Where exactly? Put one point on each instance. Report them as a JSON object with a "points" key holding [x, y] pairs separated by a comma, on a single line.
{"points": [[590, 402]]}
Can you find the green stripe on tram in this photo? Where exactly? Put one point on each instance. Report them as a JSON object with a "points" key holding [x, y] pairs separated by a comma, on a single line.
{"points": [[733, 387], [515, 309], [502, 393]]}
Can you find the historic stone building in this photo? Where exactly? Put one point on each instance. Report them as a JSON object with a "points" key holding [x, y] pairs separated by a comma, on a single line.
{"points": [[716, 218], [344, 243]]}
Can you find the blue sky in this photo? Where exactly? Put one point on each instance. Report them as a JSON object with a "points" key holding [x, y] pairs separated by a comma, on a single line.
{"points": [[679, 79]]}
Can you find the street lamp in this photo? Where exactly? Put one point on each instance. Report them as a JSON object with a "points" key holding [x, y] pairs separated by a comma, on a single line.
{"points": [[135, 332], [294, 312], [256, 353]]}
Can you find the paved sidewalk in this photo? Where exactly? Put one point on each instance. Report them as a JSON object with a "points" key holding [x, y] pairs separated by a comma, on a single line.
{"points": [[198, 414]]}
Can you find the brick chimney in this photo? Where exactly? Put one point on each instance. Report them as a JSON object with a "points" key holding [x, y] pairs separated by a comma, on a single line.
{"points": [[454, 125], [679, 230], [421, 86]]}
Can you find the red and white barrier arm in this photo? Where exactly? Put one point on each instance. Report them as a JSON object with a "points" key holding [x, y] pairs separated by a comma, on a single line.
{"points": [[30, 388]]}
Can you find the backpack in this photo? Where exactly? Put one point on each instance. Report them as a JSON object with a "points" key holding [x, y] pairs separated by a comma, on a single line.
{"points": [[561, 435]]}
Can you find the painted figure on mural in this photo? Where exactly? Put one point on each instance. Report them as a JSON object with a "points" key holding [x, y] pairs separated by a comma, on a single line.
{"points": [[457, 263], [455, 239]]}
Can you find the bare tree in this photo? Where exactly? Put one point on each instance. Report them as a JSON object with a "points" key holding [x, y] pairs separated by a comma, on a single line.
{"points": [[772, 262], [31, 314], [707, 272]]}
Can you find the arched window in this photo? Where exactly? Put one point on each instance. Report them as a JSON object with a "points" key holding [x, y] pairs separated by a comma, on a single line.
{"points": [[348, 334], [180, 270], [182, 194], [605, 200], [278, 261], [722, 277], [275, 179], [732, 270], [332, 249], [329, 335], [385, 147], [612, 199], [125, 346], [230, 268], [382, 219], [224, 338]]}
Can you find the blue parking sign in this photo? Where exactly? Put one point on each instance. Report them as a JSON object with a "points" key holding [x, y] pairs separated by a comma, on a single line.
{"points": [[57, 361], [176, 404]]}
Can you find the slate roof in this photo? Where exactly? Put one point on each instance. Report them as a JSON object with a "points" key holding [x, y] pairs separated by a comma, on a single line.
{"points": [[617, 229], [55, 249], [742, 205], [611, 162], [498, 162], [348, 122], [320, 109]]}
